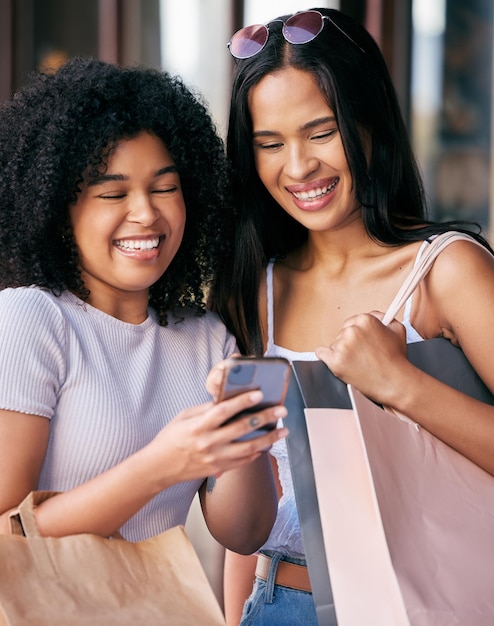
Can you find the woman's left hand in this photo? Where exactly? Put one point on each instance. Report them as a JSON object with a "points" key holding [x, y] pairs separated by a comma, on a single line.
{"points": [[365, 353], [215, 377], [213, 381]]}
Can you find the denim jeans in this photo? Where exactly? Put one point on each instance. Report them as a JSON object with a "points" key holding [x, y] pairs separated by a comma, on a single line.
{"points": [[273, 605]]}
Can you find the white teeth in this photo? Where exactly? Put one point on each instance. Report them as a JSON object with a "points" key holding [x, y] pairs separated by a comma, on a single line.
{"points": [[137, 244], [314, 194]]}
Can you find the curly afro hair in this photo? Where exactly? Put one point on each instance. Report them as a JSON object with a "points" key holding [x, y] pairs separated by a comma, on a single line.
{"points": [[59, 126]]}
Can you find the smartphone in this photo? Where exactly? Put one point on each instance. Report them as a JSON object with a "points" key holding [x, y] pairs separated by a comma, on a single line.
{"points": [[269, 374]]}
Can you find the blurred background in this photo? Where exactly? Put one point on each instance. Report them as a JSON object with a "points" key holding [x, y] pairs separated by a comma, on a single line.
{"points": [[440, 54]]}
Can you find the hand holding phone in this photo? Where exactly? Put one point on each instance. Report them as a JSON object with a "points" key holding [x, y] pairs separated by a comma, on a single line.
{"points": [[269, 374]]}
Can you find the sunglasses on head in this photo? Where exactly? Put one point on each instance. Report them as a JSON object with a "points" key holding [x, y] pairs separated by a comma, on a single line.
{"points": [[298, 29]]}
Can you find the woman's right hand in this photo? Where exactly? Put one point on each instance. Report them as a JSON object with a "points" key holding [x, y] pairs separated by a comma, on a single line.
{"points": [[197, 444]]}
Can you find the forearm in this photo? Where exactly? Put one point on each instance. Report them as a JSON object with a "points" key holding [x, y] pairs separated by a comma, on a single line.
{"points": [[466, 424], [249, 496], [372, 358], [238, 579], [103, 504]]}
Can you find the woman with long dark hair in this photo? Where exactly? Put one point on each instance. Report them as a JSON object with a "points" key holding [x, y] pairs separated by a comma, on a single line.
{"points": [[331, 216]]}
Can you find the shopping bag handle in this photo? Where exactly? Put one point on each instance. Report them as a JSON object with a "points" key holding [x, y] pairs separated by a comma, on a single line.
{"points": [[23, 521], [435, 247]]}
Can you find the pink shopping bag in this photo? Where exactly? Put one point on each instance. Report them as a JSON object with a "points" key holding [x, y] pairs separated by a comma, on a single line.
{"points": [[398, 528], [407, 522]]}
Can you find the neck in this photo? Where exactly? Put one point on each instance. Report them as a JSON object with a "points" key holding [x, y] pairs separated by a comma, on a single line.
{"points": [[335, 247], [128, 307]]}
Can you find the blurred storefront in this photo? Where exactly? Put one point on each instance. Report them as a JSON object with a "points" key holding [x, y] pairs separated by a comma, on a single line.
{"points": [[452, 106], [440, 53]]}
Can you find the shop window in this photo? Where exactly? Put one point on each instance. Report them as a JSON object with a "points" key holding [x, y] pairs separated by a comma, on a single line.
{"points": [[452, 103]]}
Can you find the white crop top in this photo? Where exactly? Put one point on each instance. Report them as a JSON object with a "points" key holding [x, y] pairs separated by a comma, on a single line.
{"points": [[286, 536]]}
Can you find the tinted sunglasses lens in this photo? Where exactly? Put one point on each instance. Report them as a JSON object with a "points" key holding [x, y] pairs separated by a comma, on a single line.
{"points": [[249, 41], [303, 27]]}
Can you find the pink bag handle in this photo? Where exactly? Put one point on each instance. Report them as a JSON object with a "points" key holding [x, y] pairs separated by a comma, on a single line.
{"points": [[435, 247]]}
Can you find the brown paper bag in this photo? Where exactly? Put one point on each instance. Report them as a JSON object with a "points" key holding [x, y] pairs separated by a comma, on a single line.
{"points": [[86, 580]]}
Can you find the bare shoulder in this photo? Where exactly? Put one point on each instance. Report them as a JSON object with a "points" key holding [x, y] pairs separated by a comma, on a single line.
{"points": [[460, 288], [463, 261]]}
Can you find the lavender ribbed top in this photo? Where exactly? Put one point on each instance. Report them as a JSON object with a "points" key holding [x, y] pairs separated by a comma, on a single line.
{"points": [[107, 386]]}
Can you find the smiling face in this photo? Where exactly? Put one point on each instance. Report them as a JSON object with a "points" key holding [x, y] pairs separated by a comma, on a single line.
{"points": [[128, 224], [298, 151]]}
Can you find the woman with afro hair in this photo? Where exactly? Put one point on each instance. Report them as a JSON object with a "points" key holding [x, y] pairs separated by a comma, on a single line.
{"points": [[113, 220]]}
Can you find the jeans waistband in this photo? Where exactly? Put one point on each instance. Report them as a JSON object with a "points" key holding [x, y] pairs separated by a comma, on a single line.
{"points": [[277, 570]]}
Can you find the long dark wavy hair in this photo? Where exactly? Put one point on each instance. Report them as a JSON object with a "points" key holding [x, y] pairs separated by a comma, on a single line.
{"points": [[60, 126], [352, 74]]}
